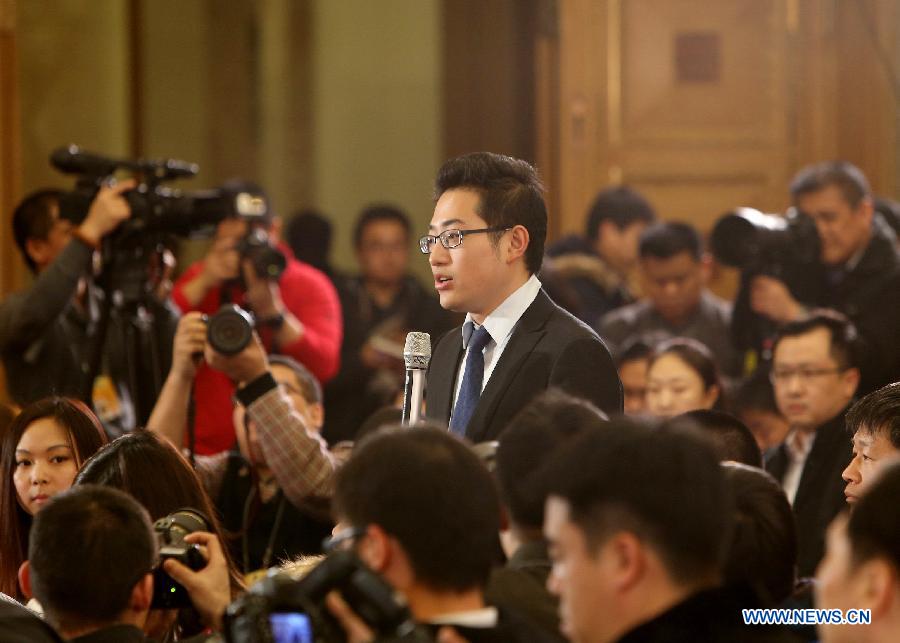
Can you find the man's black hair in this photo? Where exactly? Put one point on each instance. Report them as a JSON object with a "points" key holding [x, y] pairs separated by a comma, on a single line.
{"points": [[755, 394], [310, 387], [874, 524], [729, 438], [33, 219], [308, 233], [380, 212], [621, 205], [667, 239], [428, 490], [763, 549], [633, 351], [845, 176], [664, 486], [528, 442], [511, 194], [845, 348], [87, 549], [878, 413]]}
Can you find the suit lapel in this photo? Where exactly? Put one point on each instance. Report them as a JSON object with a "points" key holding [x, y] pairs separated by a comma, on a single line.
{"points": [[819, 464], [526, 334], [442, 377]]}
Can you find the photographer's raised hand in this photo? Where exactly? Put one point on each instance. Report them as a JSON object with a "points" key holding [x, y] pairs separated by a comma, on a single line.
{"points": [[772, 298], [190, 339], [108, 209], [244, 367], [209, 588]]}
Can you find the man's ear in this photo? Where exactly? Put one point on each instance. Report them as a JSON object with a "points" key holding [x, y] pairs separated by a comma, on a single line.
{"points": [[374, 548], [141, 595], [25, 579], [316, 416], [518, 242], [37, 250], [628, 558], [706, 267]]}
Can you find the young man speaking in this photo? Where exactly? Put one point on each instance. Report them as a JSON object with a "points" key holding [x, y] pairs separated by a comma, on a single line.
{"points": [[485, 244]]}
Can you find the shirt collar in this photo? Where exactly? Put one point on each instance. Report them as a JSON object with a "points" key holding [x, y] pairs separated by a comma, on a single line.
{"points": [[480, 618], [505, 316]]}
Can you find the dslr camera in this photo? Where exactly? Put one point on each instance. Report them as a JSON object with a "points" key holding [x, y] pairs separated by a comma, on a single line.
{"points": [[280, 609], [170, 532]]}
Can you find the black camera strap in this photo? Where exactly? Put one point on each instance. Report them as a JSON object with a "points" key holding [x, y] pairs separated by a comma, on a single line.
{"points": [[247, 521]]}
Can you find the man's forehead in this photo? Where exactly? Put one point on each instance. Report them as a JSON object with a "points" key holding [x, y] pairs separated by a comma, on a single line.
{"points": [[863, 437], [808, 347]]}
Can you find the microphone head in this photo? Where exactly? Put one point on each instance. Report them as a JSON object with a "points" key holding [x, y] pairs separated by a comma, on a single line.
{"points": [[417, 350]]}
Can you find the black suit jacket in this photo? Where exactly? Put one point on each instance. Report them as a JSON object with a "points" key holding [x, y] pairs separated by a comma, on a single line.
{"points": [[548, 348], [820, 495]]}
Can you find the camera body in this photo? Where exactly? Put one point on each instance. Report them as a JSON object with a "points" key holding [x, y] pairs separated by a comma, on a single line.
{"points": [[786, 248], [268, 261], [170, 532], [279, 608]]}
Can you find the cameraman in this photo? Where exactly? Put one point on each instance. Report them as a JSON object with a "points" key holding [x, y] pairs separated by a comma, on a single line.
{"points": [[299, 316], [90, 559], [47, 331], [274, 488], [862, 267]]}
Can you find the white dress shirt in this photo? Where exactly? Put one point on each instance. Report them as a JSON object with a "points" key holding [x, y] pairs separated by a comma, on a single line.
{"points": [[500, 325], [798, 444]]}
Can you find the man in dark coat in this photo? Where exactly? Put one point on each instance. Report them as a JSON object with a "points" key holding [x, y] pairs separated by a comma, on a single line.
{"points": [[862, 267], [815, 376], [485, 246]]}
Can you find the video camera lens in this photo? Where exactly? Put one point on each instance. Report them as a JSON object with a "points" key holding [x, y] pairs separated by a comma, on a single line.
{"points": [[267, 260], [170, 533], [230, 330]]}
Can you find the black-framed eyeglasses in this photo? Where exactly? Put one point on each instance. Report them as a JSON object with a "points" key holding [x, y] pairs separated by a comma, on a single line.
{"points": [[451, 238], [340, 539], [806, 374]]}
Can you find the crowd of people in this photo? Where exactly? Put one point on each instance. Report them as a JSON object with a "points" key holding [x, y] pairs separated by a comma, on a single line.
{"points": [[604, 456]]}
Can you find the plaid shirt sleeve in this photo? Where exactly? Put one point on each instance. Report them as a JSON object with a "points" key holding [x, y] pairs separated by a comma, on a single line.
{"points": [[299, 457]]}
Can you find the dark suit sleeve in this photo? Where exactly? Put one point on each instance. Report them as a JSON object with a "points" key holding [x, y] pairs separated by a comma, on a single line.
{"points": [[585, 369]]}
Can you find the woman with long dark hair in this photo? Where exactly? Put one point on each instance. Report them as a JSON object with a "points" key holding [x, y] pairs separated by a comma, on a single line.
{"points": [[154, 472], [40, 453]]}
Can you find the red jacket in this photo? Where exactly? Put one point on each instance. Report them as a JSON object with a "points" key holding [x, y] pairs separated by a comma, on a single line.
{"points": [[312, 299]]}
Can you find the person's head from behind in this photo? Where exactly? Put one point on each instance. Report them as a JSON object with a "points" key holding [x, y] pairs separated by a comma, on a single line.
{"points": [[308, 234], [39, 232], [874, 423], [423, 511], [502, 197], [41, 451], [90, 558], [674, 269], [631, 533], [155, 474], [763, 548], [861, 568], [754, 403], [615, 221], [815, 368], [305, 392], [381, 239], [528, 442], [728, 436], [682, 376], [632, 363], [836, 195]]}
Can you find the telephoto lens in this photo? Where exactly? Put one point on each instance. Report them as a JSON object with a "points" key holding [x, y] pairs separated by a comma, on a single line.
{"points": [[230, 330]]}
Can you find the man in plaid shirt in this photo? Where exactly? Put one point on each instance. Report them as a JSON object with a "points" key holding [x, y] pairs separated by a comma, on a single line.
{"points": [[274, 488]]}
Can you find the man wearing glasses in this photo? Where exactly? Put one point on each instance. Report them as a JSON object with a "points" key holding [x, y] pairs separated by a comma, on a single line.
{"points": [[485, 244], [815, 375]]}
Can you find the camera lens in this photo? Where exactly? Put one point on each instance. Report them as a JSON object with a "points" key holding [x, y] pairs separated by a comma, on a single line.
{"points": [[230, 330]]}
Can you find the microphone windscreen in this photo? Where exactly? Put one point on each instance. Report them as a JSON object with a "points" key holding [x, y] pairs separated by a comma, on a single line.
{"points": [[417, 350]]}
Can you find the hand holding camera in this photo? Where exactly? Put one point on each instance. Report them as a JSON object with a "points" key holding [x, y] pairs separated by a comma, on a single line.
{"points": [[190, 340], [208, 587], [233, 347], [108, 209]]}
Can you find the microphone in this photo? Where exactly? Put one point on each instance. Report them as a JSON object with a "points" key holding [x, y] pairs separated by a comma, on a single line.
{"points": [[416, 355], [73, 160]]}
